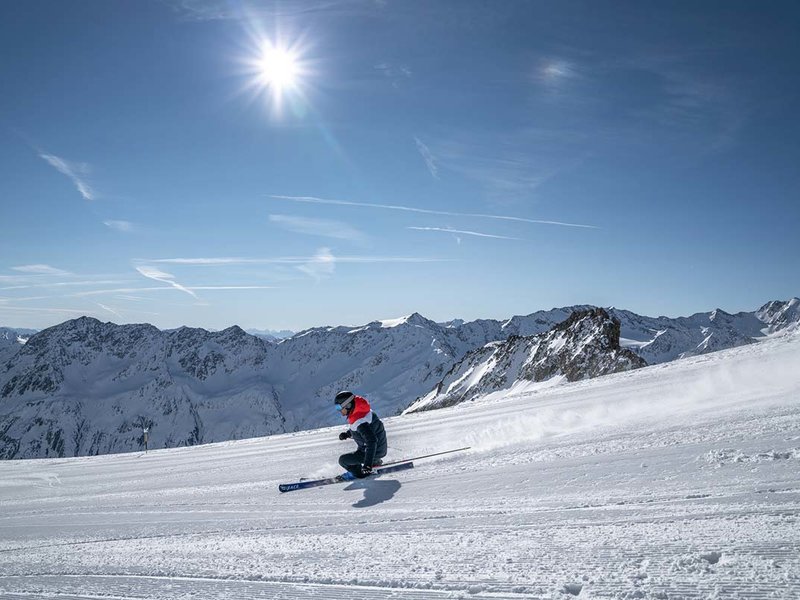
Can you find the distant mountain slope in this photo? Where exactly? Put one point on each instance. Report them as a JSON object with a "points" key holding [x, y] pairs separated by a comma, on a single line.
{"points": [[583, 346], [12, 339], [86, 387], [662, 339], [271, 334]]}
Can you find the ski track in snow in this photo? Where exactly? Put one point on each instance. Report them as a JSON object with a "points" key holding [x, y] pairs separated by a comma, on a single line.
{"points": [[675, 481]]}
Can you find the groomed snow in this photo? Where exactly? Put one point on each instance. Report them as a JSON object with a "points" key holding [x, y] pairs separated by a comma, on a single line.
{"points": [[675, 481]]}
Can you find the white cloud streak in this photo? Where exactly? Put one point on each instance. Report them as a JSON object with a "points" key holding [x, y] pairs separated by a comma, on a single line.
{"points": [[123, 226], [60, 284], [163, 289], [314, 200], [291, 260], [158, 275], [75, 171], [40, 270], [118, 291], [428, 157], [232, 287], [47, 310], [321, 266], [474, 233], [109, 309], [319, 227]]}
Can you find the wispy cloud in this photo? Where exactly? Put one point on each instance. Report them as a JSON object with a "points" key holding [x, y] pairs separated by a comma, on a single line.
{"points": [[191, 289], [4, 308], [75, 171], [321, 266], [461, 231], [40, 270], [118, 291], [232, 287], [675, 100], [61, 284], [291, 260], [509, 166], [314, 200], [109, 309], [158, 275], [428, 157], [394, 73], [319, 227], [124, 226]]}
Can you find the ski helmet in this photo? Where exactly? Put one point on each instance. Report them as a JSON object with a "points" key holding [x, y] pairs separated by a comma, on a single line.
{"points": [[344, 399]]}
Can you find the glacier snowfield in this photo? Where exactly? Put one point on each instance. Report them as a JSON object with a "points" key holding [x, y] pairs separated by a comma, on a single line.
{"points": [[680, 480]]}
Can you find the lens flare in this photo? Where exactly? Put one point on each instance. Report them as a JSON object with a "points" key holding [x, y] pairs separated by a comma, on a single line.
{"points": [[276, 71]]}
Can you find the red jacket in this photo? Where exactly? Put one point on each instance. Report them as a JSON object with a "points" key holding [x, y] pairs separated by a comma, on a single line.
{"points": [[360, 410]]}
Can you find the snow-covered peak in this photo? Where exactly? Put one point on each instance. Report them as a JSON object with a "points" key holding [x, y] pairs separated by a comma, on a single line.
{"points": [[414, 319], [584, 345], [778, 315]]}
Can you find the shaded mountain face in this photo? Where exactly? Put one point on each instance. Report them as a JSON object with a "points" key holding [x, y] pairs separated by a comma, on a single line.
{"points": [[12, 340], [86, 387], [583, 346]]}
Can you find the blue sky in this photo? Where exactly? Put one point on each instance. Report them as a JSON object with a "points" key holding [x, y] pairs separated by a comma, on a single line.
{"points": [[458, 159]]}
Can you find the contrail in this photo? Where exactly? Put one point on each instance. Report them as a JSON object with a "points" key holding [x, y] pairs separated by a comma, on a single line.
{"points": [[313, 200]]}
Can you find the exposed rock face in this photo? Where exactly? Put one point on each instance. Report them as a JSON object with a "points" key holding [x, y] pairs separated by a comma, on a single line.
{"points": [[779, 315], [586, 345]]}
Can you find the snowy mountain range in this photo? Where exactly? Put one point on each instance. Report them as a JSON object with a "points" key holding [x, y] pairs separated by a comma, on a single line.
{"points": [[584, 346], [85, 387]]}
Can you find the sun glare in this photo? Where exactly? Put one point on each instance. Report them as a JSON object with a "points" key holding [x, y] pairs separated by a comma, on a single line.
{"points": [[279, 69], [276, 72]]}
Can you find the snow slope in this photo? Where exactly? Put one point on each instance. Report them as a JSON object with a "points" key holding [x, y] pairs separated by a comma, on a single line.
{"points": [[680, 480]]}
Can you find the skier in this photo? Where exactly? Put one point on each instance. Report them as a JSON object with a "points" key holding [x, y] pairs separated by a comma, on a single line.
{"points": [[367, 431]]}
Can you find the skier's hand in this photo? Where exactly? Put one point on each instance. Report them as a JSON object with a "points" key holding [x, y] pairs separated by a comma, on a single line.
{"points": [[366, 471], [345, 434]]}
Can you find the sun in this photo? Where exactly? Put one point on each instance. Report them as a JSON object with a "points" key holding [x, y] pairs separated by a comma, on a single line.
{"points": [[276, 71], [279, 69]]}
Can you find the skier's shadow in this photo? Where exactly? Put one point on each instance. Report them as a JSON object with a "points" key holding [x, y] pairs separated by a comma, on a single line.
{"points": [[375, 492]]}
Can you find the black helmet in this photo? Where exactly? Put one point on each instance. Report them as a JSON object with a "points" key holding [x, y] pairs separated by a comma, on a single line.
{"points": [[344, 399]]}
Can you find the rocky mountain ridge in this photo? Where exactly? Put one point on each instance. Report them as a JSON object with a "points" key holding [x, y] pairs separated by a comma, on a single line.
{"points": [[86, 387], [585, 345]]}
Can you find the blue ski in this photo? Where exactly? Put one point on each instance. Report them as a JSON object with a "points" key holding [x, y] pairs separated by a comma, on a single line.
{"points": [[302, 485]]}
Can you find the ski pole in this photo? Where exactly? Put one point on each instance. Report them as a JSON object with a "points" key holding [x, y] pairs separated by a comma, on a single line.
{"points": [[396, 462]]}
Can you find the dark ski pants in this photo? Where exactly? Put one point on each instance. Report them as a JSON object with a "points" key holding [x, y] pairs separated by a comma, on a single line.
{"points": [[353, 461]]}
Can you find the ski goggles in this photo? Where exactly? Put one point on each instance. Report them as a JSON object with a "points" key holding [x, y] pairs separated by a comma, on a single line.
{"points": [[345, 403]]}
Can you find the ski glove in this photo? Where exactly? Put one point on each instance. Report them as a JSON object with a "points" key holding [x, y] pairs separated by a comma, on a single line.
{"points": [[366, 471], [345, 434]]}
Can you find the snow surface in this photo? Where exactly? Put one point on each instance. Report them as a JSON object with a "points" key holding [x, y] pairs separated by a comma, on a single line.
{"points": [[680, 480]]}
